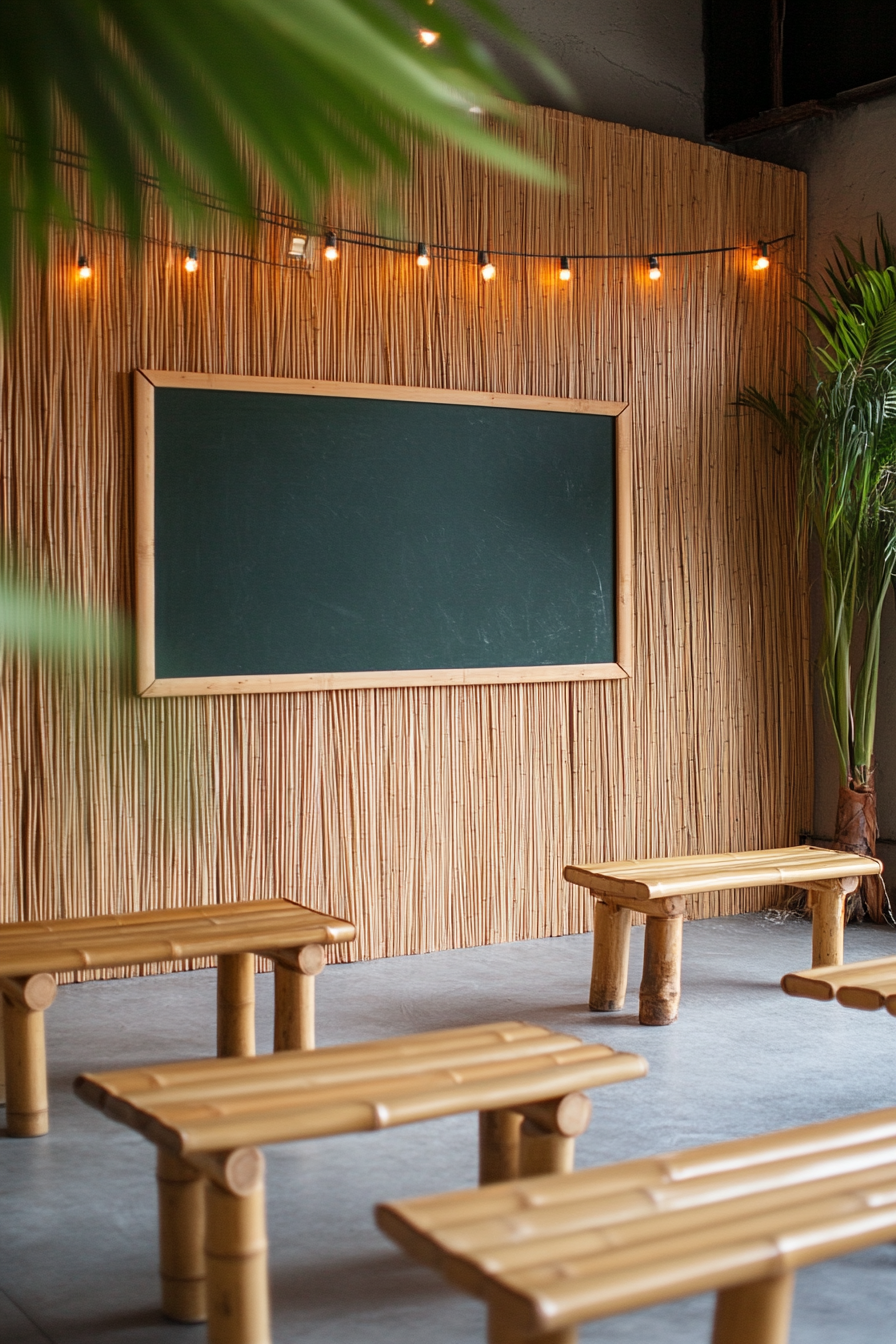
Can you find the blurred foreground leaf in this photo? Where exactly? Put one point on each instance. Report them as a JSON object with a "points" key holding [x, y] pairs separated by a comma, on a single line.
{"points": [[320, 92], [48, 625]]}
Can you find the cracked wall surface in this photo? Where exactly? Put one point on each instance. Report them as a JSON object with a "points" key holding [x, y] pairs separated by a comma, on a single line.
{"points": [[634, 61]]}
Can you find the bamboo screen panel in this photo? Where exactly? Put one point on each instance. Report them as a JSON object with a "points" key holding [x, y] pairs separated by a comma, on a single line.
{"points": [[442, 817]]}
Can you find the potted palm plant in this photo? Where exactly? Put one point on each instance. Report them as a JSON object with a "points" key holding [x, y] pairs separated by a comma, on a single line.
{"points": [[841, 425]]}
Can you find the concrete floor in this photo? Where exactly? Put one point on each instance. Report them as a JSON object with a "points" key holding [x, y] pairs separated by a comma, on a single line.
{"points": [[77, 1213]]}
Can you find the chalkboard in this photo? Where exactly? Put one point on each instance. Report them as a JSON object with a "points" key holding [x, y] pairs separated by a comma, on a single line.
{"points": [[300, 535]]}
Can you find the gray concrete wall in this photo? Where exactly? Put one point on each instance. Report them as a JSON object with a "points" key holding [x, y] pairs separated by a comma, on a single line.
{"points": [[635, 61], [851, 167], [850, 159]]}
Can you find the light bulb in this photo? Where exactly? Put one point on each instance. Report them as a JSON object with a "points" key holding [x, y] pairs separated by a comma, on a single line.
{"points": [[422, 256], [761, 263], [565, 272], [192, 262], [428, 37], [486, 269], [654, 271], [331, 251], [84, 271]]}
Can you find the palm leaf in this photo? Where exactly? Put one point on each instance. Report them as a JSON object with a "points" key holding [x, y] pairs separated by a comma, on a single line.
{"points": [[319, 91], [843, 431], [37, 620]]}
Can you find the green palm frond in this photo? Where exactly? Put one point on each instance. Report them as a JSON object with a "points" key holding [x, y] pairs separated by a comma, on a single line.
{"points": [[841, 270], [40, 621], [862, 331], [318, 90]]}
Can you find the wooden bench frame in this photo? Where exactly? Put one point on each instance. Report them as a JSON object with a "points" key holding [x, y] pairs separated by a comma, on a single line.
{"points": [[206, 1118], [737, 1218], [868, 985], [658, 888], [33, 953]]}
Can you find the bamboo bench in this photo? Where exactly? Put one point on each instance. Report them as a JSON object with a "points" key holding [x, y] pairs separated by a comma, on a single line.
{"points": [[657, 888], [862, 984], [735, 1218], [207, 1117], [32, 953]]}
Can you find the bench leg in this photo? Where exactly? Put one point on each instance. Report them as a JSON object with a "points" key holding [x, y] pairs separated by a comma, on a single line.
{"points": [[236, 1256], [294, 976], [609, 968], [499, 1333], [543, 1153], [181, 1238], [755, 1313], [24, 1002], [828, 915], [236, 1003], [499, 1146], [549, 1133], [661, 979]]}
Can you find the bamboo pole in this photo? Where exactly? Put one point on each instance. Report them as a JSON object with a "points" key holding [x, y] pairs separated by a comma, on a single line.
{"points": [[867, 997], [25, 1051], [236, 1004], [239, 1170], [569, 1115], [544, 1152], [499, 1146], [754, 1313], [111, 948], [609, 970], [294, 997], [236, 1254], [681, 875], [680, 1185], [661, 978], [264, 1117], [828, 905], [499, 1044], [181, 1190]]}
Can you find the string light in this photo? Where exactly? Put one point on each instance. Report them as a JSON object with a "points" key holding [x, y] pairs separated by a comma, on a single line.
{"points": [[761, 263], [458, 252], [565, 272], [486, 269], [422, 256], [192, 262], [428, 37]]}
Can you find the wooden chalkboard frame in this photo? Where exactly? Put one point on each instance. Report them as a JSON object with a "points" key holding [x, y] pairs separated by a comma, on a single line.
{"points": [[148, 685]]}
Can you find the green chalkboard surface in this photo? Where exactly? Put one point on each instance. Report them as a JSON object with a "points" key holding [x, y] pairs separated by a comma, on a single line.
{"points": [[328, 534]]}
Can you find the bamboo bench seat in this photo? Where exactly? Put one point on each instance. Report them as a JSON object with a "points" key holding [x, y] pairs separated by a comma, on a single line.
{"points": [[657, 888], [736, 1218], [862, 984], [206, 1118], [32, 953]]}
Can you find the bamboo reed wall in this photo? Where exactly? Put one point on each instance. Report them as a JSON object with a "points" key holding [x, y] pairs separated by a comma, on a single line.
{"points": [[433, 818]]}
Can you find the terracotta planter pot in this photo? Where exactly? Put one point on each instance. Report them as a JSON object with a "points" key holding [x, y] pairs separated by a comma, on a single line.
{"points": [[856, 833]]}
